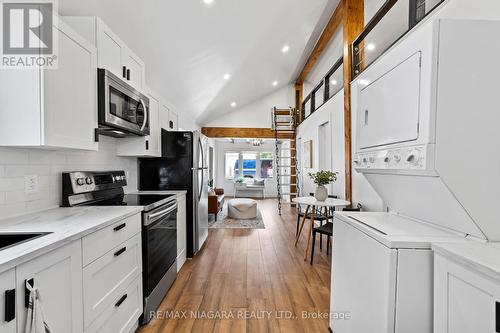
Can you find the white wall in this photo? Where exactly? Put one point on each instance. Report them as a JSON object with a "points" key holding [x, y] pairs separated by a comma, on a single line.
{"points": [[221, 147], [48, 165], [258, 113], [333, 113]]}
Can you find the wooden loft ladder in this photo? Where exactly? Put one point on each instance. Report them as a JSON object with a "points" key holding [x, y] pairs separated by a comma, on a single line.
{"points": [[284, 125]]}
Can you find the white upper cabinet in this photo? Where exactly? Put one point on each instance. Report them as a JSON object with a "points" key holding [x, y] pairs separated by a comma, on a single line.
{"points": [[54, 108], [173, 121], [149, 145], [112, 53]]}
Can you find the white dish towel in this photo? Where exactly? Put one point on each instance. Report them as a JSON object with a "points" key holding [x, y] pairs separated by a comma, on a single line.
{"points": [[35, 320]]}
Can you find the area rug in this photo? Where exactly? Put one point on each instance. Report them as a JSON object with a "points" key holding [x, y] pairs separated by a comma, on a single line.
{"points": [[226, 222]]}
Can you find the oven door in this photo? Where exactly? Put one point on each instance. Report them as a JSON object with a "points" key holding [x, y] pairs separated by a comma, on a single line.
{"points": [[121, 106], [159, 243]]}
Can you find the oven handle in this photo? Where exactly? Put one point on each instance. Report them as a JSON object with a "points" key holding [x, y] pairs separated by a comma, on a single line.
{"points": [[165, 211], [145, 115]]}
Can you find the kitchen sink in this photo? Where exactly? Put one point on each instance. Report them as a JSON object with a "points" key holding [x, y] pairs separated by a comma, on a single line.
{"points": [[15, 238]]}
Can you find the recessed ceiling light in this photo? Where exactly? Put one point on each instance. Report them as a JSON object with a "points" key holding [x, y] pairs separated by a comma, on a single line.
{"points": [[233, 104], [333, 82], [208, 2], [275, 83], [370, 47], [285, 49], [227, 76], [364, 82]]}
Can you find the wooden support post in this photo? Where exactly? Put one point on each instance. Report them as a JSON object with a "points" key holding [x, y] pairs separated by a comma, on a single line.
{"points": [[353, 23], [299, 91]]}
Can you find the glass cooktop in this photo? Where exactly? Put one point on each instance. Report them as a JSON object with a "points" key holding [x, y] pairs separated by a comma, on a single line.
{"points": [[135, 200]]}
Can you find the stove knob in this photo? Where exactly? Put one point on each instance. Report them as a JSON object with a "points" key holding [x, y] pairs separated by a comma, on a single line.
{"points": [[88, 180], [80, 181]]}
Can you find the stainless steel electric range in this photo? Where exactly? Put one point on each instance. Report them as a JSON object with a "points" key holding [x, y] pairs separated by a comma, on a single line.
{"points": [[159, 226]]}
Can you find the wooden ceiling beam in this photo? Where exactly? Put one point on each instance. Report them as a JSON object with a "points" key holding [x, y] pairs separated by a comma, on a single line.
{"points": [[245, 133], [331, 27]]}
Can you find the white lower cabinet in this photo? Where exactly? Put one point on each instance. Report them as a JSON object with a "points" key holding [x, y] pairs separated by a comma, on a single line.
{"points": [[8, 302], [105, 279], [122, 314], [181, 231], [112, 280], [465, 301], [58, 277]]}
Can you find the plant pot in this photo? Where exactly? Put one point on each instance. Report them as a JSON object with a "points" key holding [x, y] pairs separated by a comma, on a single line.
{"points": [[321, 193]]}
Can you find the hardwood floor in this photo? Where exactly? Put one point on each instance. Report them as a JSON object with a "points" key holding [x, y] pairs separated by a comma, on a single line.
{"points": [[249, 280]]}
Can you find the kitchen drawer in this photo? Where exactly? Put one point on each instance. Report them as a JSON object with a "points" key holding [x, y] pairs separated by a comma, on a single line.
{"points": [[102, 241], [105, 278], [123, 313]]}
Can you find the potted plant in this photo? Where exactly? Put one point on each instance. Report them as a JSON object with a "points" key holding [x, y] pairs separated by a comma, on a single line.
{"points": [[322, 178]]}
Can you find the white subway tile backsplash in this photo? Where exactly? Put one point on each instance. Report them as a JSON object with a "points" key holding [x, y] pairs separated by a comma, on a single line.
{"points": [[21, 170], [48, 166], [11, 184], [13, 156]]}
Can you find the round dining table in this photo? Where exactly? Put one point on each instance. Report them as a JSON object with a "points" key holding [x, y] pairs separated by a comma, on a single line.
{"points": [[312, 204]]}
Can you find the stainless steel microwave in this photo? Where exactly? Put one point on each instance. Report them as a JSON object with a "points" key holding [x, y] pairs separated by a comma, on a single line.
{"points": [[122, 110]]}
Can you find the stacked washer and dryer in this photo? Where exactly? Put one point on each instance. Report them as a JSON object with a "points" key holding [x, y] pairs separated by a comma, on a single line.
{"points": [[427, 137]]}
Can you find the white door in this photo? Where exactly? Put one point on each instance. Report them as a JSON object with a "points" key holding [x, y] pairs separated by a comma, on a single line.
{"points": [[464, 301], [181, 232], [58, 277], [8, 302], [69, 93], [389, 107], [363, 282], [325, 149], [135, 69], [110, 50]]}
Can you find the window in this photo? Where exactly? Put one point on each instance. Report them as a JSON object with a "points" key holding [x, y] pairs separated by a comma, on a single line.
{"points": [[249, 164], [232, 170], [266, 165]]}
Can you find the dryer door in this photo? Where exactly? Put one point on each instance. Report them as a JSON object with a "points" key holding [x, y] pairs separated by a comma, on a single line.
{"points": [[388, 112]]}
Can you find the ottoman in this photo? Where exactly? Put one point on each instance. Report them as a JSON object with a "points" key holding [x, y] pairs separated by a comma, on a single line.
{"points": [[242, 208]]}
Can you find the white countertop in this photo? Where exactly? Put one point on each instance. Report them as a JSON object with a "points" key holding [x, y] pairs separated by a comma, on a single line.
{"points": [[480, 257], [66, 225], [178, 193]]}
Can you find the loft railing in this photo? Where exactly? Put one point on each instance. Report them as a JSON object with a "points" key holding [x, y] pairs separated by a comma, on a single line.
{"points": [[329, 85], [391, 22]]}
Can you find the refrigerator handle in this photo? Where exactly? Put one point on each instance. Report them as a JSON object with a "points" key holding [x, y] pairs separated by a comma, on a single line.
{"points": [[202, 164]]}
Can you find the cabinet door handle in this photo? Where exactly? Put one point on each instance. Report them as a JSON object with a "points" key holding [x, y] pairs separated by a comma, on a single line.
{"points": [[171, 124], [128, 74], [147, 144], [497, 317], [120, 251], [10, 305], [27, 292], [120, 301], [118, 227], [124, 72]]}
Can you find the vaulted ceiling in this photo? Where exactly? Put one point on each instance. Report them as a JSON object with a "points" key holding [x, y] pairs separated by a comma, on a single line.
{"points": [[189, 45]]}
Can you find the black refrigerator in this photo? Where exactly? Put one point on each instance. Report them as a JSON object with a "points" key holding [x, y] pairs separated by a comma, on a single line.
{"points": [[183, 166]]}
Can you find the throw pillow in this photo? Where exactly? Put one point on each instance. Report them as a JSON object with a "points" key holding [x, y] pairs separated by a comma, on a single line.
{"points": [[258, 182]]}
